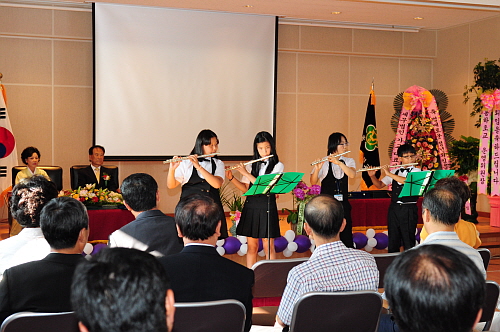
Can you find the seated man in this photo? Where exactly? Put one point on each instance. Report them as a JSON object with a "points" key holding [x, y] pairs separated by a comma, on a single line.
{"points": [[152, 231], [27, 200], [434, 288], [95, 172], [332, 267], [122, 289], [198, 272], [44, 286]]}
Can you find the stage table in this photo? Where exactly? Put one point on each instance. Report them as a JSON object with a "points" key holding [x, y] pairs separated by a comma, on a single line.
{"points": [[372, 212], [103, 222]]}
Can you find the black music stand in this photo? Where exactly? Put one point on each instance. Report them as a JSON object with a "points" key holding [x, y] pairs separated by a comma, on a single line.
{"points": [[418, 183], [280, 183]]}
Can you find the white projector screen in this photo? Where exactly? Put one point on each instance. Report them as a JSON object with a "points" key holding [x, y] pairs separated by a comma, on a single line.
{"points": [[162, 75]]}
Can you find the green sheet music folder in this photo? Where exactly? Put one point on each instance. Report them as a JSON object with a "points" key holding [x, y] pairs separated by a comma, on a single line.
{"points": [[418, 183], [281, 183]]}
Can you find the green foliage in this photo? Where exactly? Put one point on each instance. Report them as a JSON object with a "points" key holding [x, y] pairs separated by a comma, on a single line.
{"points": [[486, 77], [464, 154], [293, 216], [230, 198]]}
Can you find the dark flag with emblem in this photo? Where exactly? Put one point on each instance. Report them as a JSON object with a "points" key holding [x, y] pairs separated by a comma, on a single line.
{"points": [[8, 152], [368, 150]]}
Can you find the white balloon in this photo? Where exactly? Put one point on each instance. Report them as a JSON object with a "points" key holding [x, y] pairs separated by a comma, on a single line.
{"points": [[287, 253], [244, 248], [243, 239], [312, 241], [368, 248], [372, 242], [370, 232], [312, 247], [220, 243], [88, 248], [292, 246], [261, 253], [386, 233], [221, 251], [290, 235], [240, 253]]}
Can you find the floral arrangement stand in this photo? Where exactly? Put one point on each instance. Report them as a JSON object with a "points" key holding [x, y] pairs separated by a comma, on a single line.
{"points": [[94, 198]]}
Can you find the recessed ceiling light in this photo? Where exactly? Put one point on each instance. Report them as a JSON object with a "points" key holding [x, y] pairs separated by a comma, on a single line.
{"points": [[418, 18], [336, 13], [248, 6]]}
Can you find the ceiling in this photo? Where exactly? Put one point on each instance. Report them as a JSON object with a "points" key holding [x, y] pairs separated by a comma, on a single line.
{"points": [[371, 14]]}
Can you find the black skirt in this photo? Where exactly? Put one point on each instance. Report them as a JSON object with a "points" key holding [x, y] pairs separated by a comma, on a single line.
{"points": [[253, 221]]}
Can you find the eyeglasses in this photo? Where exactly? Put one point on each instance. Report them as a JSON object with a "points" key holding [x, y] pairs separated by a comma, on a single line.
{"points": [[409, 156], [344, 144]]}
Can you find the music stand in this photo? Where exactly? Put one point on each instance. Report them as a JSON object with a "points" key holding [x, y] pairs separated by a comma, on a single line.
{"points": [[418, 183], [280, 183]]}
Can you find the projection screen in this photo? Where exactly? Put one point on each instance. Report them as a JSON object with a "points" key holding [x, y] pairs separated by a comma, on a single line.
{"points": [[162, 75]]}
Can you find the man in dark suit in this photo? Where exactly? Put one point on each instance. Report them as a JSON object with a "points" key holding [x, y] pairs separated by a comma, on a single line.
{"points": [[198, 272], [44, 286], [95, 172], [151, 231]]}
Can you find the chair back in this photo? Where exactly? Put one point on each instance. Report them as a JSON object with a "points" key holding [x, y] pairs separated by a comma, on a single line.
{"points": [[383, 261], [490, 303], [337, 311], [271, 275], [73, 173], [486, 256], [55, 174], [211, 316], [40, 322]]}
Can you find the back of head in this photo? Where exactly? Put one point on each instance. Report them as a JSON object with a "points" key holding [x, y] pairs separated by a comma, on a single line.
{"points": [[120, 290], [406, 148], [434, 288], [444, 206], [454, 184], [61, 221], [197, 217], [139, 191], [324, 214], [29, 196]]}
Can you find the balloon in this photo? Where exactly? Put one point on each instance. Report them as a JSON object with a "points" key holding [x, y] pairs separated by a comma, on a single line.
{"points": [[240, 253], [372, 242], [221, 251], [292, 246], [243, 239], [382, 241], [232, 245], [370, 232], [88, 248], [244, 249], [303, 243], [261, 253], [368, 248], [359, 240], [98, 248], [220, 243], [290, 235], [280, 244], [261, 245], [287, 253]]}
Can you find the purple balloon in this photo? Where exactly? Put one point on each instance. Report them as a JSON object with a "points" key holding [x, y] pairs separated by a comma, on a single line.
{"points": [[417, 236], [231, 245], [261, 245], [280, 243], [382, 241], [303, 243], [360, 240], [98, 247]]}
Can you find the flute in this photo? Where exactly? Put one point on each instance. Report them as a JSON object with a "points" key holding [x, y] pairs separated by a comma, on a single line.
{"points": [[379, 167], [326, 158], [249, 162], [174, 160]]}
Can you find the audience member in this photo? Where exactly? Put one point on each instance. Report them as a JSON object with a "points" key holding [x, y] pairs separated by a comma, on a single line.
{"points": [[198, 272], [122, 290], [152, 231], [44, 286], [332, 267], [95, 173], [466, 231], [440, 213], [434, 288], [28, 199]]}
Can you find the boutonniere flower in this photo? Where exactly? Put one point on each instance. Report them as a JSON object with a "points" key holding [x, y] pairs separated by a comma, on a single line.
{"points": [[105, 177]]}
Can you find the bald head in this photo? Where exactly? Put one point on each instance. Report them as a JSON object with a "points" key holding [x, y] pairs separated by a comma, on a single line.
{"points": [[324, 214], [443, 205]]}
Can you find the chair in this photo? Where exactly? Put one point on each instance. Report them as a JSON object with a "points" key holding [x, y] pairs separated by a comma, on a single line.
{"points": [[383, 261], [337, 311], [40, 322], [270, 281], [73, 173], [486, 256], [490, 303], [211, 316], [55, 174]]}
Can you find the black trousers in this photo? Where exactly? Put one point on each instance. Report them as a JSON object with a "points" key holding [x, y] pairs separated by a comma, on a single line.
{"points": [[401, 225]]}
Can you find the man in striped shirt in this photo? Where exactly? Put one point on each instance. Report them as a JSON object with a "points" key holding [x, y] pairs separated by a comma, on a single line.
{"points": [[332, 267]]}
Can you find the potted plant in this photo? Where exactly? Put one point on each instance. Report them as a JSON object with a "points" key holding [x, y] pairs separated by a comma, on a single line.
{"points": [[301, 195], [464, 155], [234, 203]]}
